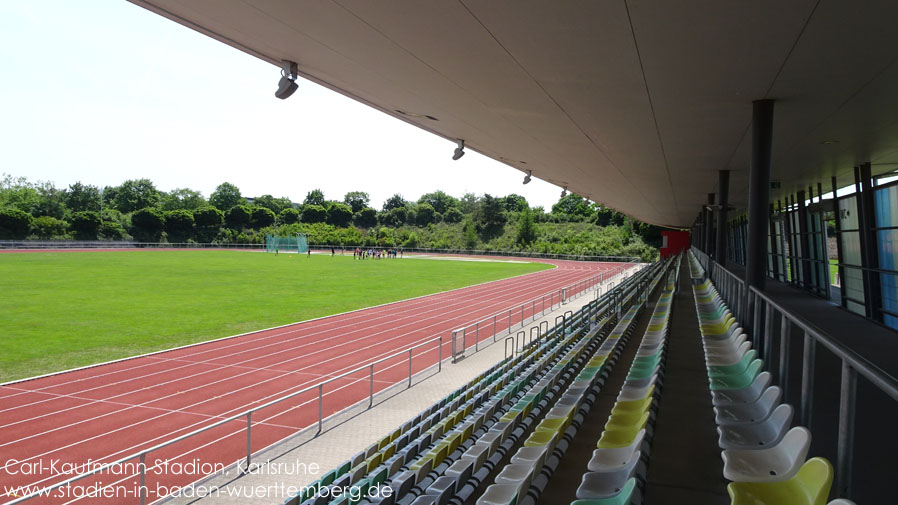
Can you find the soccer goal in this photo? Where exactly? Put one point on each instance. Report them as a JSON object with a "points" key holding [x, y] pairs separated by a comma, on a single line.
{"points": [[298, 242]]}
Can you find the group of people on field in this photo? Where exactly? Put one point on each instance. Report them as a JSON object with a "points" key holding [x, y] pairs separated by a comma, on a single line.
{"points": [[373, 253]]}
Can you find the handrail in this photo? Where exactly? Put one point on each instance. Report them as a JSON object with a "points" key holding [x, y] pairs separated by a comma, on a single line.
{"points": [[245, 414]]}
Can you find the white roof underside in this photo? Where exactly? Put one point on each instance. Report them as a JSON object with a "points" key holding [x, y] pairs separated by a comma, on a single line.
{"points": [[636, 104]]}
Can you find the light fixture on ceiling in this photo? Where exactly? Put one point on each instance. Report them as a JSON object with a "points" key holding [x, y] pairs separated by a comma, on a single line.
{"points": [[459, 151], [287, 85], [564, 192], [528, 176], [416, 115], [829, 142]]}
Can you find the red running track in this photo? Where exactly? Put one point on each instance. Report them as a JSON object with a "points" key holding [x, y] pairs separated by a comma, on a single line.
{"points": [[55, 427]]}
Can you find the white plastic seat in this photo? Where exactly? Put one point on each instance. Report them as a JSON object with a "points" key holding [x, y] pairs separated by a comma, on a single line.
{"points": [[516, 474], [747, 394], [776, 463], [725, 344], [533, 456], [841, 501], [757, 435], [611, 459], [635, 393], [606, 484], [749, 412], [478, 453], [728, 356], [499, 494]]}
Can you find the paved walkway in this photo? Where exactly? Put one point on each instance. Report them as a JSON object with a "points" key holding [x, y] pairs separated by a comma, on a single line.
{"points": [[303, 458]]}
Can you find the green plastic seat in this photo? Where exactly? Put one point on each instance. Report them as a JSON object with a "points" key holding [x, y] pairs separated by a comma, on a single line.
{"points": [[622, 498], [738, 381], [641, 373], [735, 368], [810, 486]]}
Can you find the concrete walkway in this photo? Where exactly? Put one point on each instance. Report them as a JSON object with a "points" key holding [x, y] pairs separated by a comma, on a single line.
{"points": [[303, 458]]}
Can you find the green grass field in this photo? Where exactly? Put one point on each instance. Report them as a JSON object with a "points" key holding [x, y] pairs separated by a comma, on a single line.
{"points": [[63, 310]]}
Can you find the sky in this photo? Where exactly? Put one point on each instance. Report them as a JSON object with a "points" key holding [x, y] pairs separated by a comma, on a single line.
{"points": [[101, 91]]}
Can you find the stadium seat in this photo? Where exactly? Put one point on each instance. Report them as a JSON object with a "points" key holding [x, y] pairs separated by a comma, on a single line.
{"points": [[749, 412], [609, 459], [755, 435], [809, 486], [623, 498], [775, 463], [747, 394]]}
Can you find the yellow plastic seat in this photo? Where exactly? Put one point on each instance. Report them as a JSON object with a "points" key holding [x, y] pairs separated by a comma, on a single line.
{"points": [[810, 486], [622, 437]]}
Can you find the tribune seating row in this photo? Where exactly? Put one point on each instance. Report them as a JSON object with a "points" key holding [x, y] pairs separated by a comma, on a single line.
{"points": [[764, 456], [616, 471]]}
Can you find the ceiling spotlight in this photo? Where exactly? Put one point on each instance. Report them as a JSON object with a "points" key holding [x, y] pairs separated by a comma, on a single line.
{"points": [[459, 151], [287, 84], [564, 192], [527, 177]]}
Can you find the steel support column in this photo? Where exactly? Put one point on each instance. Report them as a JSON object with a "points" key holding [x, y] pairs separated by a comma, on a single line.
{"points": [[869, 250], [841, 270], [723, 189], [758, 195], [709, 226], [804, 259]]}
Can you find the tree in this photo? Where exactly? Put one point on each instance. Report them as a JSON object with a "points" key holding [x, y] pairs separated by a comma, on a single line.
{"points": [[238, 217], [515, 203], [469, 204], [572, 205], [262, 217], [357, 200], [425, 214], [288, 216], [136, 194], [339, 215], [86, 224], [179, 225], [18, 193], [365, 218], [147, 224], [182, 198], [112, 230], [48, 227], [394, 202], [395, 217], [14, 223], [313, 214], [440, 201], [453, 215], [226, 196], [492, 211], [82, 197], [276, 205], [314, 197], [470, 232], [208, 217], [526, 228]]}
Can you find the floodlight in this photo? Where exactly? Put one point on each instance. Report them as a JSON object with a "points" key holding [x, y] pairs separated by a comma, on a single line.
{"points": [[287, 84], [459, 151], [527, 177]]}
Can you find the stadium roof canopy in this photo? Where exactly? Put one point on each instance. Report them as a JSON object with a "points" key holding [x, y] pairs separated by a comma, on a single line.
{"points": [[636, 104]]}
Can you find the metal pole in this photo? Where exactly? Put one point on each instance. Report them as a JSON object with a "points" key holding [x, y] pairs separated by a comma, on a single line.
{"points": [[371, 386], [723, 190], [785, 337], [477, 337], [249, 439], [494, 329], [522, 315], [409, 368], [320, 404], [142, 490], [807, 379], [509, 321], [440, 362], [845, 449]]}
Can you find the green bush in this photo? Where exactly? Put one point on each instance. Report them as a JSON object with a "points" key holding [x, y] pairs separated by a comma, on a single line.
{"points": [[339, 214], [112, 230], [288, 216], [179, 225], [14, 223], [46, 227], [208, 217], [262, 217], [86, 225], [147, 224], [238, 217], [312, 213]]}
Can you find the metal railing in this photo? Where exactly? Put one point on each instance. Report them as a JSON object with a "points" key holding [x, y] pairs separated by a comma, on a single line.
{"points": [[490, 328], [142, 490], [763, 312]]}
